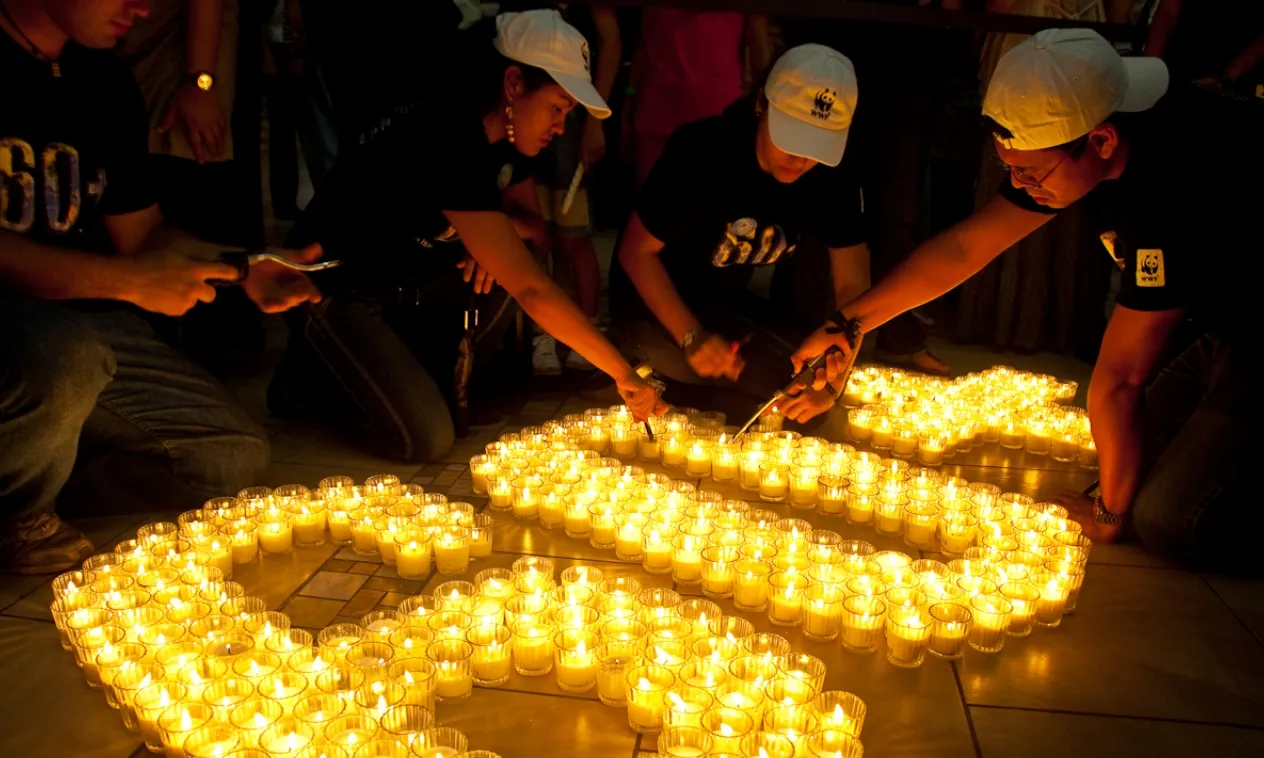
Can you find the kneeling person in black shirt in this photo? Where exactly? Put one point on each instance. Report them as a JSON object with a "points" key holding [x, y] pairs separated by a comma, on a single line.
{"points": [[1168, 179], [731, 193], [95, 409]]}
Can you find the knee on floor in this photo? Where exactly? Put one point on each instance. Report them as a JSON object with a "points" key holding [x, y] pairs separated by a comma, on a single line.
{"points": [[55, 365], [223, 463]]}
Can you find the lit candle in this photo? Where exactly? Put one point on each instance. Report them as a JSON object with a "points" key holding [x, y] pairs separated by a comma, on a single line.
{"points": [[904, 442], [480, 467], [774, 482], [930, 448], [622, 440], [657, 551], [920, 521], [908, 629], [648, 448], [991, 619], [698, 459], [1011, 435], [863, 618], [491, 659], [687, 558], [822, 612], [1053, 598], [718, 570], [748, 469], [1039, 437], [412, 554], [1087, 455], [245, 541], [673, 451], [532, 649], [785, 598], [452, 551], [803, 486], [724, 459], [647, 685], [499, 492], [575, 663], [1065, 446], [950, 624], [526, 505], [454, 679], [309, 523], [364, 533]]}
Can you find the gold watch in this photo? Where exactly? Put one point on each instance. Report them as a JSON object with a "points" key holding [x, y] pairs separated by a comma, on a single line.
{"points": [[203, 80]]}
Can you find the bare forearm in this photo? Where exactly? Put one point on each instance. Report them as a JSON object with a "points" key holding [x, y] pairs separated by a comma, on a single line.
{"points": [[1115, 412], [558, 315], [652, 282], [205, 25], [48, 272]]}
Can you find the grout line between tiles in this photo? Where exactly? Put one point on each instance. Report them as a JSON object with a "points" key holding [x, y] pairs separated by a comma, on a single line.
{"points": [[26, 618], [636, 746], [1159, 719], [1234, 613], [965, 706], [566, 695]]}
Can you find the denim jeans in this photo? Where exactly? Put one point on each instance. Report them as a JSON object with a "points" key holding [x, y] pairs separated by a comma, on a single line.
{"points": [[98, 416], [1193, 505], [767, 356], [391, 355]]}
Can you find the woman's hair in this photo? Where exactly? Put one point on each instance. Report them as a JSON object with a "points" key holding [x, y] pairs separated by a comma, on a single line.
{"points": [[486, 68]]}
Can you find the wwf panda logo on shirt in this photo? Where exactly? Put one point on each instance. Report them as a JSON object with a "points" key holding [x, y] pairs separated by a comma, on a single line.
{"points": [[746, 241]]}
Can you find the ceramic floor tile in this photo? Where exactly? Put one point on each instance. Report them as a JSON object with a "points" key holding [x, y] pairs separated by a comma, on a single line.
{"points": [[313, 446], [1245, 597], [1143, 642], [347, 554], [517, 724], [311, 612], [405, 586], [331, 586], [363, 602], [48, 708], [1037, 734], [392, 600], [276, 577], [13, 587]]}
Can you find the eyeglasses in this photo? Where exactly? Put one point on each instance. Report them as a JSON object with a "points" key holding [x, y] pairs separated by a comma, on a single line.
{"points": [[1021, 176]]}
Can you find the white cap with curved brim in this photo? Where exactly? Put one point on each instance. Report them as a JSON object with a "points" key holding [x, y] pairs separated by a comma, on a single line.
{"points": [[1060, 84], [542, 39], [812, 95]]}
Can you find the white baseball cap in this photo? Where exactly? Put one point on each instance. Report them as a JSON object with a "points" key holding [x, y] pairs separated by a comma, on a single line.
{"points": [[812, 93], [1060, 84], [542, 39]]}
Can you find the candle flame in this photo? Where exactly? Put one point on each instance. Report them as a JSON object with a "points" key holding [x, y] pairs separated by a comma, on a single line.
{"points": [[186, 721], [260, 720]]}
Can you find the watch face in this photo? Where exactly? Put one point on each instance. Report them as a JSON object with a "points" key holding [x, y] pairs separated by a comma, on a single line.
{"points": [[205, 81]]}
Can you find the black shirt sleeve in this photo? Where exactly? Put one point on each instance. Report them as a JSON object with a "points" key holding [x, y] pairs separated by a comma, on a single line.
{"points": [[1158, 252], [128, 165], [840, 217], [668, 200]]}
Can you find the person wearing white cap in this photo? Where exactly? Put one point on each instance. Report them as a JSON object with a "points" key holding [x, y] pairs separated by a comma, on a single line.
{"points": [[418, 205], [1173, 193], [729, 194]]}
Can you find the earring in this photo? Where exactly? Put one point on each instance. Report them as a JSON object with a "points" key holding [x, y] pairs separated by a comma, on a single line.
{"points": [[509, 124]]}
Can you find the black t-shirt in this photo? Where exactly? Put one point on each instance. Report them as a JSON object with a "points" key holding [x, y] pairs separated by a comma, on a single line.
{"points": [[719, 214], [72, 147], [381, 208], [1181, 222]]}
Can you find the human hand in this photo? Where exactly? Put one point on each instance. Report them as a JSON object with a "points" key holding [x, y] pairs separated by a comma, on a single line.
{"points": [[592, 143], [169, 283], [806, 405], [640, 397], [1080, 509], [472, 272], [201, 119], [275, 288], [712, 355], [818, 343]]}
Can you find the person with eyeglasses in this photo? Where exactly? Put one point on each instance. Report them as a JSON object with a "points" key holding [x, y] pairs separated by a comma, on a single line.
{"points": [[1167, 181]]}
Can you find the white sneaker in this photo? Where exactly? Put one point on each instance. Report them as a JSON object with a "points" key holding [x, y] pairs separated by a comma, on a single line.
{"points": [[577, 362], [544, 360]]}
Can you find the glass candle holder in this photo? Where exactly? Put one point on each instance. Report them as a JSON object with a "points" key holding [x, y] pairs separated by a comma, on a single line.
{"points": [[828, 743], [480, 467], [907, 632], [785, 598], [956, 531], [317, 710], [1038, 438], [770, 744], [532, 647], [749, 462], [822, 612], [491, 660], [602, 532], [774, 482], [614, 660], [454, 678], [377, 696], [950, 627], [804, 486], [719, 570], [500, 491], [351, 731], [687, 558], [991, 620], [698, 458], [149, 704], [574, 659], [794, 722], [1054, 590], [727, 727], [1086, 454], [283, 688], [451, 548], [920, 522], [286, 737], [214, 740], [1023, 598], [252, 718], [840, 712], [404, 723], [684, 705], [647, 686], [480, 536], [750, 584], [863, 621]]}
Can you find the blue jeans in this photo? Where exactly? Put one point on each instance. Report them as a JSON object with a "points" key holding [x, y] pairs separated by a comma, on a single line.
{"points": [[1193, 505], [98, 416]]}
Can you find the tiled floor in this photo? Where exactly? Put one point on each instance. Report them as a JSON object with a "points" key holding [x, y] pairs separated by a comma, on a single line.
{"points": [[1156, 661]]}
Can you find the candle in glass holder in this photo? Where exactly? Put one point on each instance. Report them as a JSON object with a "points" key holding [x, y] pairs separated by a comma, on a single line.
{"points": [[673, 450], [957, 531], [364, 531], [213, 740], [253, 717], [614, 659], [904, 442], [647, 686], [499, 491], [525, 499], [532, 648], [719, 570], [309, 522], [1039, 437], [176, 723], [412, 553], [724, 458], [454, 676], [908, 629], [863, 619], [149, 704], [822, 612], [833, 494], [648, 447], [931, 447], [840, 712], [452, 550], [748, 469], [629, 539], [687, 558], [950, 626], [1054, 589], [480, 467], [860, 424], [578, 523], [574, 661], [1012, 436], [920, 521], [286, 737], [785, 598], [338, 516], [491, 657], [991, 620], [1087, 453], [602, 532], [804, 486], [684, 705], [657, 550], [889, 514], [698, 459], [245, 540], [882, 433], [1064, 446], [750, 585], [1023, 598], [774, 482]]}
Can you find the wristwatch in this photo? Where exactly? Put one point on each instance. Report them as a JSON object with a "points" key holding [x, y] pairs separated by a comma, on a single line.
{"points": [[838, 323], [203, 80], [689, 339], [1103, 516]]}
